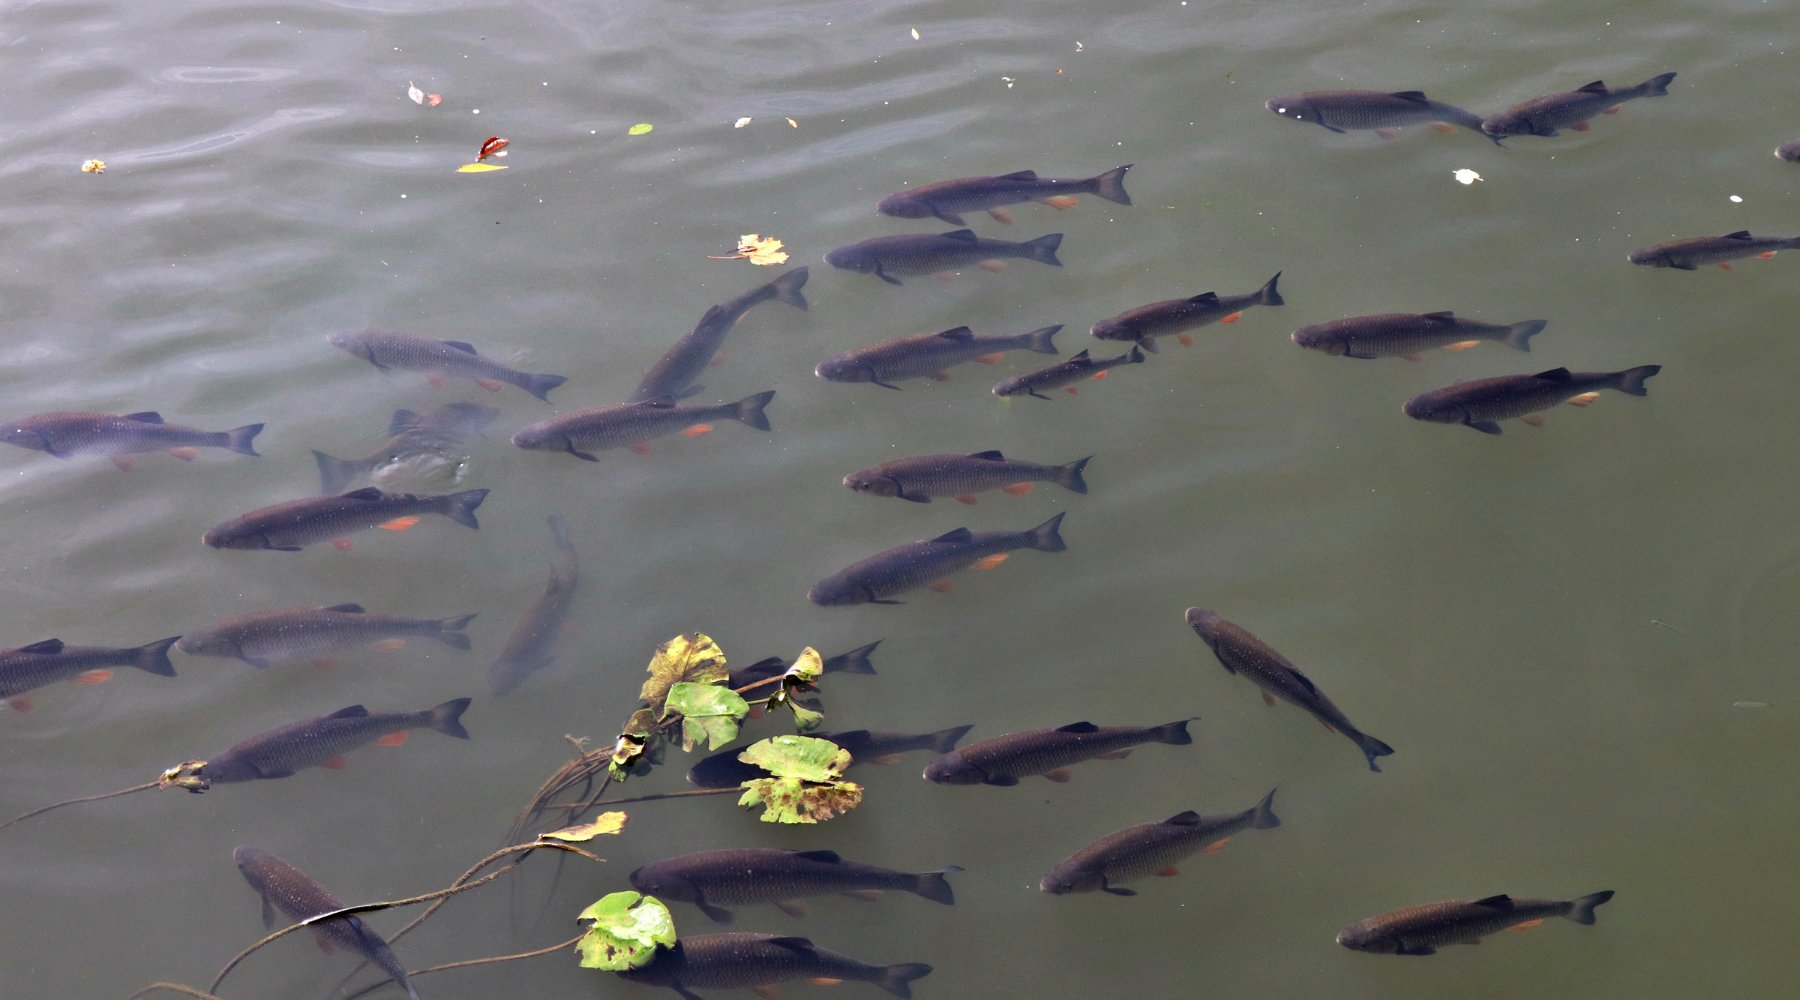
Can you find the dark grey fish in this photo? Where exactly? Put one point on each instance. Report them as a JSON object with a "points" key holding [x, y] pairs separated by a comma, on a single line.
{"points": [[1239, 652], [1789, 151], [47, 662], [1003, 760], [761, 679], [315, 633], [1064, 374], [415, 445], [1404, 335], [632, 425], [1343, 110], [1151, 849], [531, 645], [288, 527], [925, 354], [727, 961], [925, 253], [725, 770], [1480, 403], [746, 876], [284, 887], [1422, 930], [927, 563], [118, 437], [322, 742], [1570, 109], [962, 476], [674, 375], [1171, 317], [945, 199], [440, 359], [1689, 254]]}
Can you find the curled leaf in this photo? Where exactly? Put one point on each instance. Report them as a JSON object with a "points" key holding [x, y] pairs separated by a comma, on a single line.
{"points": [[417, 95], [694, 658], [800, 677], [185, 775], [479, 168], [638, 745], [434, 99], [791, 800], [639, 129], [606, 822], [494, 144], [93, 167], [623, 932]]}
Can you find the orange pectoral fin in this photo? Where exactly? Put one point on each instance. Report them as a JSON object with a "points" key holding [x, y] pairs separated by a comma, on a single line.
{"points": [[1216, 846], [988, 359], [1724, 267], [1061, 775], [189, 454], [122, 461], [990, 562], [720, 358], [992, 266], [1583, 399], [1765, 256], [387, 645], [392, 739], [437, 381], [342, 544], [93, 677], [1234, 317], [939, 376], [1001, 216], [1059, 201], [1184, 339], [965, 498], [697, 430], [490, 385], [399, 523], [824, 981], [942, 586], [1444, 127], [1527, 925], [1268, 699], [1169, 872], [641, 448], [1532, 419], [1099, 374], [1328, 726], [1581, 126], [337, 763], [1414, 358], [1071, 390], [1613, 110], [1387, 133], [1017, 489], [19, 703], [1462, 345]]}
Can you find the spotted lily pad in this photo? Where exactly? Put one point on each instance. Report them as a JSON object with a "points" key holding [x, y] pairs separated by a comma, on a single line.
{"points": [[623, 931]]}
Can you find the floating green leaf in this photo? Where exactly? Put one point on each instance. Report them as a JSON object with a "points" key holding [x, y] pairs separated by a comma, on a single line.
{"points": [[607, 822], [625, 931], [800, 757], [640, 128], [791, 800], [709, 712], [800, 677], [695, 658]]}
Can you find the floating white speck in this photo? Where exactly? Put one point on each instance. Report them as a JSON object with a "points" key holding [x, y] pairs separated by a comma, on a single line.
{"points": [[1466, 176], [1749, 704], [1736, 198], [1078, 46], [915, 34], [740, 123]]}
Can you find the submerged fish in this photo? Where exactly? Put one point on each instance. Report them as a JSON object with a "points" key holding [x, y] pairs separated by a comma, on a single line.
{"points": [[1172, 317], [436, 438], [440, 359], [1570, 109], [1480, 403], [918, 564], [1342, 110], [961, 476], [531, 644], [1239, 652], [1789, 151], [1422, 930], [1003, 760], [288, 527], [300, 633], [632, 425], [922, 253], [761, 679], [284, 887], [725, 770], [674, 375], [1689, 254], [927, 354], [49, 661], [726, 961], [745, 876], [1151, 849], [1404, 335], [118, 437], [945, 199], [322, 742], [1063, 374]]}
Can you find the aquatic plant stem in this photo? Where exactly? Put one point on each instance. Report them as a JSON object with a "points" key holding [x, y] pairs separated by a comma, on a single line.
{"points": [[565, 946], [70, 802], [178, 988]]}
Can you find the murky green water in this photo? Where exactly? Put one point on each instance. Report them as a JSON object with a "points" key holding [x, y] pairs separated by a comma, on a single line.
{"points": [[1488, 606]]}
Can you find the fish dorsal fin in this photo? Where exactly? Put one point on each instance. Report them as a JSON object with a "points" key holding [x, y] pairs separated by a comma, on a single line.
{"points": [[1303, 679], [823, 857], [153, 417], [1441, 316], [796, 943], [1022, 175], [1078, 727], [1205, 297], [1597, 87], [1083, 356], [992, 456], [1410, 95], [366, 493], [459, 345], [1742, 234], [353, 712], [1189, 818], [660, 402], [766, 663], [48, 647], [959, 535], [966, 235], [1554, 375], [404, 420], [349, 609], [1502, 901], [960, 333]]}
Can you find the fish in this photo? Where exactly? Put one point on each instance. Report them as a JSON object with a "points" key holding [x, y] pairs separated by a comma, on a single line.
{"points": [[434, 438], [1371, 110], [631, 425], [1480, 403], [761, 679], [725, 770], [1003, 760], [322, 742], [1404, 335], [1547, 115], [727, 961], [917, 564], [1064, 373], [924, 253], [1172, 317], [1422, 930], [440, 359], [1689, 254], [119, 436], [284, 887], [944, 199], [922, 477], [673, 376], [925, 354], [1151, 849], [750, 875], [41, 663], [291, 526], [1239, 652], [531, 645], [260, 637], [1789, 151]]}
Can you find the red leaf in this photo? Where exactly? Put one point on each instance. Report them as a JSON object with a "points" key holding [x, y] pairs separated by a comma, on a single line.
{"points": [[493, 145]]}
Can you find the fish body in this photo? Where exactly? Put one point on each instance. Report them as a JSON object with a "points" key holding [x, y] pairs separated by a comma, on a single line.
{"points": [[290, 526], [762, 678], [66, 435], [925, 476], [1003, 760], [631, 424], [944, 199], [1689, 254], [727, 961], [1548, 115], [49, 661], [915, 564], [1173, 316], [284, 750], [925, 354], [1364, 110], [725, 770], [1063, 373], [440, 358], [1239, 652], [437, 438], [674, 375], [745, 876], [1479, 404], [1395, 335], [259, 637], [1149, 848], [1422, 930], [1789, 151], [531, 644], [924, 253], [293, 892]]}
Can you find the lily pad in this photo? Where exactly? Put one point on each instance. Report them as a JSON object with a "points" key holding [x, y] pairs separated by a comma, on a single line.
{"points": [[710, 713], [694, 658], [800, 757], [624, 932], [792, 800], [607, 822]]}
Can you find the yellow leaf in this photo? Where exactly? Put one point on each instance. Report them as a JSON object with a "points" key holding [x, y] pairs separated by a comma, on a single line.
{"points": [[794, 123], [93, 167], [478, 168], [760, 251], [640, 128], [608, 822]]}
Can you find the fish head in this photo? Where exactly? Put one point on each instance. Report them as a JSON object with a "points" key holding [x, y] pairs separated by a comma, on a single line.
{"points": [[1649, 257], [209, 642], [843, 368], [1063, 880], [1011, 387], [24, 437], [900, 206], [1110, 329], [655, 880], [1369, 936], [951, 769], [837, 592], [541, 437], [254, 863], [851, 259], [1433, 408], [1314, 339], [354, 343], [1206, 625], [1507, 123], [235, 534], [873, 483], [1296, 106]]}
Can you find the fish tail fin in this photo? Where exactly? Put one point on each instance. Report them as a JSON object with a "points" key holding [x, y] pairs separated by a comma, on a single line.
{"points": [[1372, 748], [749, 410], [895, 978], [1582, 910], [1111, 185], [540, 385], [787, 288], [1518, 336], [460, 507], [932, 886], [1631, 380], [1043, 249], [447, 718], [239, 439], [1263, 816], [564, 559], [1174, 733], [1268, 296], [945, 740], [1657, 86], [1044, 537], [854, 662], [450, 631], [384, 957], [1069, 476], [336, 473], [155, 657], [1039, 340]]}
